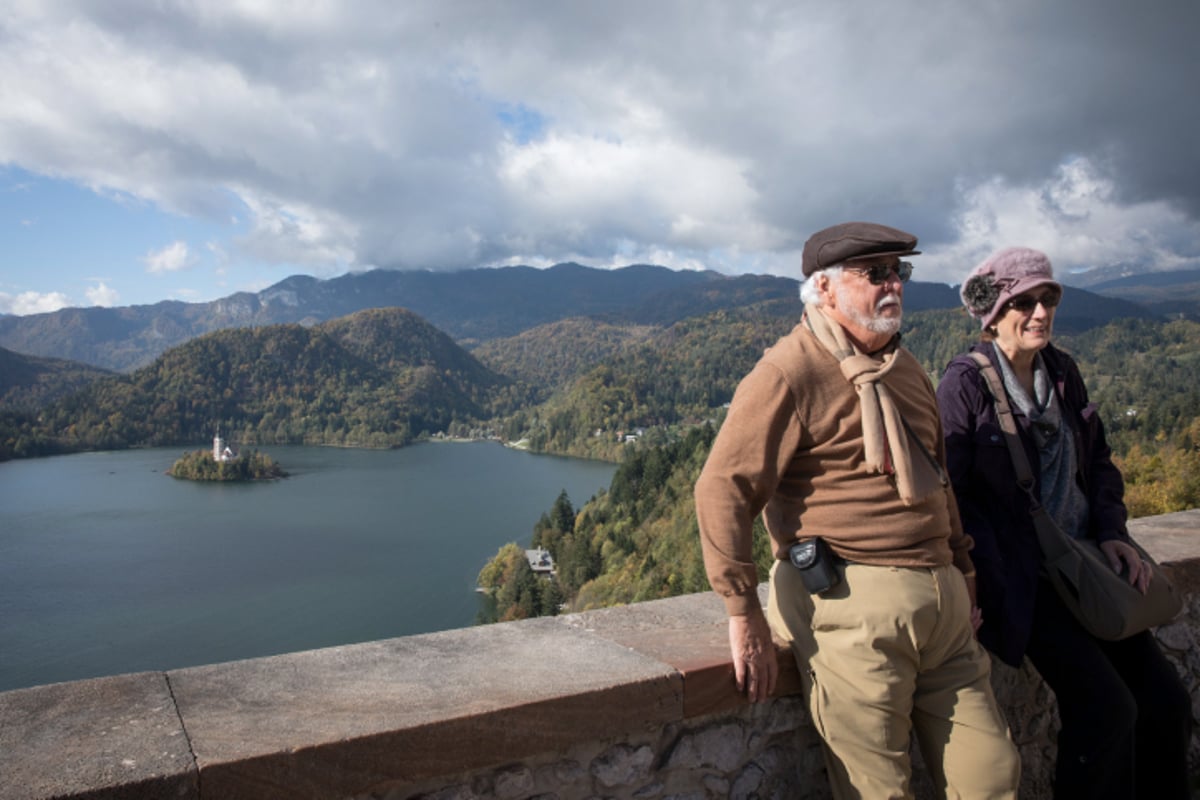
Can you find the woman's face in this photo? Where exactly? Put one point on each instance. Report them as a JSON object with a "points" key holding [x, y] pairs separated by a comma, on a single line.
{"points": [[1027, 322]]}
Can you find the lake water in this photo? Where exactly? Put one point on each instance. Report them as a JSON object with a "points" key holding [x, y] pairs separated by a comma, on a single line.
{"points": [[107, 565]]}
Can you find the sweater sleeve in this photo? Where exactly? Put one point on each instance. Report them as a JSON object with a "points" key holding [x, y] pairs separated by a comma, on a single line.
{"points": [[752, 450]]}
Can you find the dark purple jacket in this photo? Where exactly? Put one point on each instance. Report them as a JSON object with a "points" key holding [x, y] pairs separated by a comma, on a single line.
{"points": [[996, 512]]}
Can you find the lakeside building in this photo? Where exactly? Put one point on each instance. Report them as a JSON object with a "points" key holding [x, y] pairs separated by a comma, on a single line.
{"points": [[222, 451], [540, 561]]}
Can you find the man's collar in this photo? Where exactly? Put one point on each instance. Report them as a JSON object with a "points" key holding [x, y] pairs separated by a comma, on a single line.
{"points": [[892, 345]]}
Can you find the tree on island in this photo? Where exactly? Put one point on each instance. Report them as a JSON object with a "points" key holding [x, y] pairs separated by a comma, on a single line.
{"points": [[199, 465]]}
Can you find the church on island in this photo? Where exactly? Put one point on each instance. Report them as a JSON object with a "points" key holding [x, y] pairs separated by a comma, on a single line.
{"points": [[221, 450]]}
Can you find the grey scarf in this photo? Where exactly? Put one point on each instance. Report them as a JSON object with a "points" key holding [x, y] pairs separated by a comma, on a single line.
{"points": [[1061, 495]]}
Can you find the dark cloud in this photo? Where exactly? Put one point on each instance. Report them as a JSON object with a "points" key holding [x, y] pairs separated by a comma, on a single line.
{"points": [[698, 133]]}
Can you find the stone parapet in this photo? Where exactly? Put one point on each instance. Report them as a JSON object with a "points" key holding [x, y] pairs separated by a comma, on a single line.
{"points": [[629, 702]]}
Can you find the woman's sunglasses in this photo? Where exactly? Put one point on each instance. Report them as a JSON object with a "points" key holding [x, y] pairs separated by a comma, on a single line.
{"points": [[1027, 302], [879, 274]]}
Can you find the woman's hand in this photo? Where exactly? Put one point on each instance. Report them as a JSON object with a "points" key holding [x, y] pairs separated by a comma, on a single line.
{"points": [[976, 612], [1119, 553], [976, 618]]}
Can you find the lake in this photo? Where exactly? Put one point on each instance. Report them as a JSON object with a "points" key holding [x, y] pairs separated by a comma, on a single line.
{"points": [[107, 565]]}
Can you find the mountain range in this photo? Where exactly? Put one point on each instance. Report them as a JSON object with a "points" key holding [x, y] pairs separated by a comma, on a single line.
{"points": [[482, 305], [659, 348]]}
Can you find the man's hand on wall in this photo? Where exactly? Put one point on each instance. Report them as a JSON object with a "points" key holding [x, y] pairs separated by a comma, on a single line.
{"points": [[755, 667]]}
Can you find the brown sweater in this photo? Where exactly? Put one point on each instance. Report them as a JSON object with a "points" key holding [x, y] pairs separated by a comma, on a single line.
{"points": [[791, 449]]}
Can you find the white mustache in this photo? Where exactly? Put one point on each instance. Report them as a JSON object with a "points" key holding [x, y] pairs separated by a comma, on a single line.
{"points": [[889, 300]]}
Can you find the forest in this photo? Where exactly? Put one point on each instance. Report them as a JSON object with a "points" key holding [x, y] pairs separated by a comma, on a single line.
{"points": [[379, 378], [640, 539]]}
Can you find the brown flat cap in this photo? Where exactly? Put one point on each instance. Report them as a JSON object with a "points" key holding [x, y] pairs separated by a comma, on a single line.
{"points": [[852, 241]]}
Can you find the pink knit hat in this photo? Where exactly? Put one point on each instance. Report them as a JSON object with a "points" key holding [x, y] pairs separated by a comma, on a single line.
{"points": [[1001, 277]]}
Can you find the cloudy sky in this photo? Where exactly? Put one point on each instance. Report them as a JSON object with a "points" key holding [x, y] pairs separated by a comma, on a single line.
{"points": [[190, 149]]}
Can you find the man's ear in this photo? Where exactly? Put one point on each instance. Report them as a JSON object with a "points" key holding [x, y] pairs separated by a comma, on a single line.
{"points": [[825, 286]]}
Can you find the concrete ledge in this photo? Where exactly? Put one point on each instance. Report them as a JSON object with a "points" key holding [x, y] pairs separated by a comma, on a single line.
{"points": [[347, 720], [1170, 537], [375, 719], [691, 635], [108, 737]]}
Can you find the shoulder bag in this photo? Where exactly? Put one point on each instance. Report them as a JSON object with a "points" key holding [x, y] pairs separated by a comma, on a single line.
{"points": [[1099, 597]]}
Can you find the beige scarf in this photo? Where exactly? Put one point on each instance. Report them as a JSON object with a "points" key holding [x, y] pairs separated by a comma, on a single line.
{"points": [[885, 439]]}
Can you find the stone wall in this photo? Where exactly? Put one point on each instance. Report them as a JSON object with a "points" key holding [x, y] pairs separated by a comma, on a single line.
{"points": [[632, 703]]}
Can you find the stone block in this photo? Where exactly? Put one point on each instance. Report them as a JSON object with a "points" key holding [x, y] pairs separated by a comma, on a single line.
{"points": [[107, 737], [351, 720]]}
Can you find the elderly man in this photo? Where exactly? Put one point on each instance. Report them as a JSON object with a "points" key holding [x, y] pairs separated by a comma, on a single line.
{"points": [[834, 438]]}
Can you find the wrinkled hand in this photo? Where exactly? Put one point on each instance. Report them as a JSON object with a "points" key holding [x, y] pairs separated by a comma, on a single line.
{"points": [[1119, 553], [754, 665]]}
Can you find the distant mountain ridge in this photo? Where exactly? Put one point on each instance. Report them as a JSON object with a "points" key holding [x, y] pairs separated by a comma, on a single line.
{"points": [[1170, 294], [471, 306], [1135, 274]]}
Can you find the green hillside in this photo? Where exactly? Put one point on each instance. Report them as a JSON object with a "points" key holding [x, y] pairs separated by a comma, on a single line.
{"points": [[677, 375], [551, 355], [378, 378], [29, 382], [640, 540]]}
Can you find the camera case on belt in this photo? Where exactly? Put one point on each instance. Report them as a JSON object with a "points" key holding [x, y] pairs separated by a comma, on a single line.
{"points": [[815, 561]]}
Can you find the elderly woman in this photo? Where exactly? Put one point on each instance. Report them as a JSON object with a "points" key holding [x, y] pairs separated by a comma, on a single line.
{"points": [[1126, 717]]}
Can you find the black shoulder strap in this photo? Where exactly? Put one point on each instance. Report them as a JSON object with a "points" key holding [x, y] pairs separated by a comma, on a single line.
{"points": [[1007, 423]]}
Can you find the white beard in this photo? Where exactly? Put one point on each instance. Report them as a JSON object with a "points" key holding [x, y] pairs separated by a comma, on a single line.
{"points": [[874, 323]]}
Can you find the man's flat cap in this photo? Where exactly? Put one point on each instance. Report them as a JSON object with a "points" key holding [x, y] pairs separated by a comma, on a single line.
{"points": [[853, 241]]}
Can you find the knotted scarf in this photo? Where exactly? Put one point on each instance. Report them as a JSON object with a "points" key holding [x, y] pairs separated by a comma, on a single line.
{"points": [[886, 443]]}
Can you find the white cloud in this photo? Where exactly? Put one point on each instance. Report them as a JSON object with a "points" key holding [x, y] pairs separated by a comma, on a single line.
{"points": [[293, 234], [655, 191], [172, 258], [1074, 216], [101, 295], [32, 303]]}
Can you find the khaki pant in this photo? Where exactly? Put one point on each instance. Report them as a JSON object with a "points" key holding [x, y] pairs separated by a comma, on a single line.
{"points": [[887, 650]]}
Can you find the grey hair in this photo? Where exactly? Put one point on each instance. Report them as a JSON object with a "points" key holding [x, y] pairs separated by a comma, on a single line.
{"points": [[809, 293]]}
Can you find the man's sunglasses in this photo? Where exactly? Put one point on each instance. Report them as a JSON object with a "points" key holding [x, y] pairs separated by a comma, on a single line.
{"points": [[879, 274], [1027, 302]]}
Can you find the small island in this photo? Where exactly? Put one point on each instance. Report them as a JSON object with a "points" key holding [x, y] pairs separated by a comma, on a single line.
{"points": [[223, 464]]}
